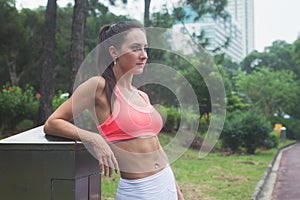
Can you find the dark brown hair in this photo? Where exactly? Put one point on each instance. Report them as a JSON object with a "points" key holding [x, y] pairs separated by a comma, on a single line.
{"points": [[106, 39]]}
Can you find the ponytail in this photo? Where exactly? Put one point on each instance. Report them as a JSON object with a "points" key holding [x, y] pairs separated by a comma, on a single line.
{"points": [[106, 39]]}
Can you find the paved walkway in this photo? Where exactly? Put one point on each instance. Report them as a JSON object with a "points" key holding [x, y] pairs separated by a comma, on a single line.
{"points": [[287, 185], [284, 180]]}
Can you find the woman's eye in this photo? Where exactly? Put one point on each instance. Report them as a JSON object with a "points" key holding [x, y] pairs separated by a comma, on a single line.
{"points": [[136, 48], [139, 48]]}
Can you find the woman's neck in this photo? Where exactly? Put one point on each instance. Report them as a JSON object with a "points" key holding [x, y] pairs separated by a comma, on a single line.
{"points": [[123, 80]]}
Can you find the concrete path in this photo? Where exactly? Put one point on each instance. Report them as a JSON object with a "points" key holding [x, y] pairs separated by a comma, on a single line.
{"points": [[287, 185], [283, 182]]}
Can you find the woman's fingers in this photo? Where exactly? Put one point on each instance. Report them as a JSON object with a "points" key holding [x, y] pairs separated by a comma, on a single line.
{"points": [[112, 164], [109, 163], [115, 164], [105, 164], [100, 167]]}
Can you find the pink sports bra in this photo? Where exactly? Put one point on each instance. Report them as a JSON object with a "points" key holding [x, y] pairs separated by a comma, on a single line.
{"points": [[129, 121]]}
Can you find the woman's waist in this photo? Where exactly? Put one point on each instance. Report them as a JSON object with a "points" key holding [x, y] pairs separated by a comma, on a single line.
{"points": [[140, 157], [140, 175]]}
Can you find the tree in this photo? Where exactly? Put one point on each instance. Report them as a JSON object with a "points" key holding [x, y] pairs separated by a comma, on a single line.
{"points": [[271, 91], [278, 56], [147, 21], [62, 48], [19, 32], [11, 35], [46, 88], [77, 44], [162, 19], [253, 60], [97, 16], [28, 64], [296, 56]]}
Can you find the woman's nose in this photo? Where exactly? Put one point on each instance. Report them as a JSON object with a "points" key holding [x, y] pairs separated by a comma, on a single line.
{"points": [[144, 53]]}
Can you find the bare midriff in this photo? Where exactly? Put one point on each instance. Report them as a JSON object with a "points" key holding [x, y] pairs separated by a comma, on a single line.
{"points": [[139, 157]]}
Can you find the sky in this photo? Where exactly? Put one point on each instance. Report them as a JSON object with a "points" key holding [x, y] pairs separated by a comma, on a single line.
{"points": [[274, 19]]}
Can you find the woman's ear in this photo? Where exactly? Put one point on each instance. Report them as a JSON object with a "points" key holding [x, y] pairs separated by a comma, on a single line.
{"points": [[113, 52]]}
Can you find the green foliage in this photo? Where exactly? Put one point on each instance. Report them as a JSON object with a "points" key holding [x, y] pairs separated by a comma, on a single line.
{"points": [[278, 56], [19, 107], [226, 63], [293, 129], [271, 91], [272, 141], [58, 99], [203, 125], [20, 31], [162, 19], [25, 125], [296, 56], [16, 105], [172, 122], [175, 117], [255, 130], [232, 131], [237, 101], [245, 129]]}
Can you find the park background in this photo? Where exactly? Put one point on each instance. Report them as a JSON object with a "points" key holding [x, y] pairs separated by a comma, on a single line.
{"points": [[38, 67]]}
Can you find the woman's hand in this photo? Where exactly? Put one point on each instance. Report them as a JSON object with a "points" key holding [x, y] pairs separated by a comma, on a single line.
{"points": [[103, 153], [107, 159], [179, 193]]}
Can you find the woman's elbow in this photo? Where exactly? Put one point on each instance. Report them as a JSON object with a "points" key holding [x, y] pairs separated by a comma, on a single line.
{"points": [[47, 127]]}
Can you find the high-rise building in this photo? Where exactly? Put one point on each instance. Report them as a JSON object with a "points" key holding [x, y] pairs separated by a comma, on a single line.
{"points": [[239, 28], [242, 11]]}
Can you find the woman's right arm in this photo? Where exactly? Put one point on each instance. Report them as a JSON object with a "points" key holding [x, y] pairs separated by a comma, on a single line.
{"points": [[58, 124]]}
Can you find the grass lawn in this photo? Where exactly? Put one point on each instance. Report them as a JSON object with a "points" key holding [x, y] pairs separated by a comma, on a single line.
{"points": [[213, 177]]}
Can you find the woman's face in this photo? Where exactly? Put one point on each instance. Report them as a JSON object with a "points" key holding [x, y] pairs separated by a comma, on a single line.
{"points": [[133, 55]]}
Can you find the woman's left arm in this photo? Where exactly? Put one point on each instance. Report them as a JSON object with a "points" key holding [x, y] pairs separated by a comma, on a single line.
{"points": [[179, 193]]}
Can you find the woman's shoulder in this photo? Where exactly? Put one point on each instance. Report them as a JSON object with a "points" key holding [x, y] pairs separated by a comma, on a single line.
{"points": [[144, 95], [94, 83], [98, 81]]}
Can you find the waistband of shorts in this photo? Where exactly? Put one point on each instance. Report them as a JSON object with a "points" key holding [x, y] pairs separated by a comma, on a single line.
{"points": [[148, 178]]}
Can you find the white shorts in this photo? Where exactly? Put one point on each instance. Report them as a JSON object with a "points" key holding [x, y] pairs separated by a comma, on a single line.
{"points": [[160, 186]]}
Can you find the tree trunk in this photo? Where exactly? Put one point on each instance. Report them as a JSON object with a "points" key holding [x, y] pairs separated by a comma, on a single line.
{"points": [[77, 45], [147, 13], [12, 68], [12, 65], [46, 87]]}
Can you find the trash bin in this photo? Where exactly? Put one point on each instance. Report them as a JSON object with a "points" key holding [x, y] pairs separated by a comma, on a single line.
{"points": [[283, 134], [34, 168]]}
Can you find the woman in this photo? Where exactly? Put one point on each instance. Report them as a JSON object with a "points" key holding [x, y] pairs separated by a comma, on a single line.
{"points": [[128, 124]]}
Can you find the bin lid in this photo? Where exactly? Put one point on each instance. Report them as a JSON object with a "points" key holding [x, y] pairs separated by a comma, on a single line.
{"points": [[36, 139]]}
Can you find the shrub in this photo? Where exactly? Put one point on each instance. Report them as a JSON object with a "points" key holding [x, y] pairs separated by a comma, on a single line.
{"points": [[272, 141], [25, 125], [190, 119], [203, 125], [255, 130], [58, 99], [231, 134], [249, 130], [173, 115], [16, 105]]}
